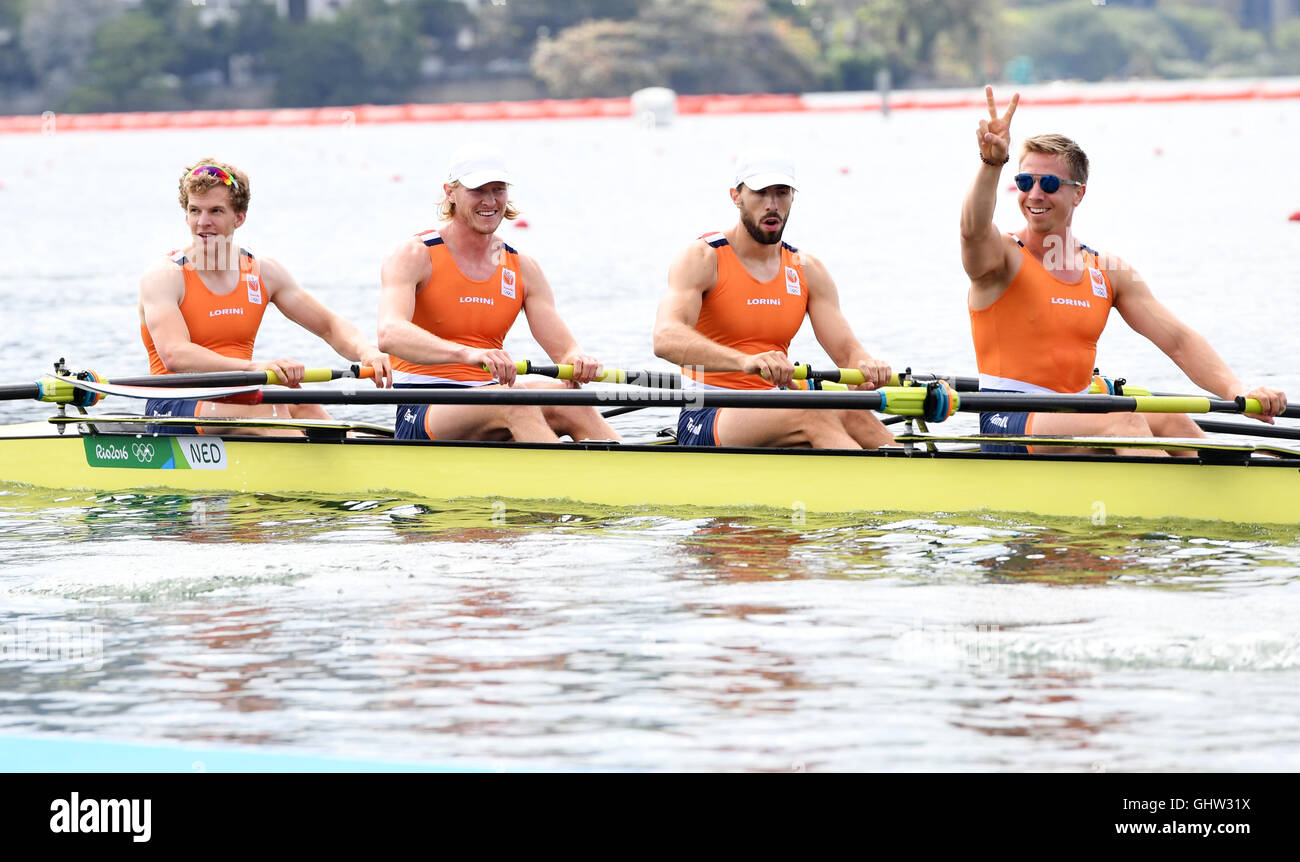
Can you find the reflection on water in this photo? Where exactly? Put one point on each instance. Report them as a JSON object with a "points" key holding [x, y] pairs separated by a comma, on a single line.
{"points": [[542, 633], [758, 545]]}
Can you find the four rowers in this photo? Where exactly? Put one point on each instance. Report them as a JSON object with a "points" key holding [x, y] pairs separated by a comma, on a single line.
{"points": [[1038, 301]]}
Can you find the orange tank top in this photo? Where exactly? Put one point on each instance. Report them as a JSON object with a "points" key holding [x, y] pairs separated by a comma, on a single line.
{"points": [[749, 315], [472, 313], [224, 323], [1041, 334]]}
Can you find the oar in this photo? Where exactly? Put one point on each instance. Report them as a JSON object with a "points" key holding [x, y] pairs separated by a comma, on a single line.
{"points": [[853, 376], [61, 390], [925, 401], [243, 378], [672, 380], [639, 377], [1252, 429], [933, 402]]}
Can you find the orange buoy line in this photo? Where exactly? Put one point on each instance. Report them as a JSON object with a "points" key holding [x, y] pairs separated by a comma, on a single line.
{"points": [[552, 109]]}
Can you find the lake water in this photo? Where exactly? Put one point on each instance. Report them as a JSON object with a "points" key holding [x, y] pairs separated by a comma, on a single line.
{"points": [[572, 637]]}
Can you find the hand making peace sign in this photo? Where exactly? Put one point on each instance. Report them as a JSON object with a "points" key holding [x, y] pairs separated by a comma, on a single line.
{"points": [[994, 134]]}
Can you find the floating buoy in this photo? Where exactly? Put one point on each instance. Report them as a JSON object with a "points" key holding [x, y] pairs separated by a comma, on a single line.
{"points": [[654, 107], [1295, 216], [521, 222]]}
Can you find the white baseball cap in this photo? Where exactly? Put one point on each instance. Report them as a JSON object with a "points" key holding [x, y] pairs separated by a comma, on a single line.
{"points": [[758, 170], [475, 165]]}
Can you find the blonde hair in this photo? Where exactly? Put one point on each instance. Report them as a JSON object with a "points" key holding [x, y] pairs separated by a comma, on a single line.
{"points": [[194, 184], [447, 206], [1059, 145]]}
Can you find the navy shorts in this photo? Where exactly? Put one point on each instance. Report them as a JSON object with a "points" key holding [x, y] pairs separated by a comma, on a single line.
{"points": [[1011, 424], [697, 427], [409, 424], [169, 407]]}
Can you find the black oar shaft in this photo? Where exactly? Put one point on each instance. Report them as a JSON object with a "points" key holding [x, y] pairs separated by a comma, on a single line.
{"points": [[1248, 429], [582, 397], [19, 391], [224, 378]]}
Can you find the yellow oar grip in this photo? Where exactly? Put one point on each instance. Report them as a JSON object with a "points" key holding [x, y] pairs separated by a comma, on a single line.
{"points": [[1253, 406], [1174, 404], [317, 375], [565, 372], [847, 375]]}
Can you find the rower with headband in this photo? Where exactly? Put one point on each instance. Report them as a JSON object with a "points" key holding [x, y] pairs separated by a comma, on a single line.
{"points": [[200, 307]]}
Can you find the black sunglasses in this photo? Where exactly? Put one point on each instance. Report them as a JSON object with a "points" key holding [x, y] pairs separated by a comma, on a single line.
{"points": [[1049, 183]]}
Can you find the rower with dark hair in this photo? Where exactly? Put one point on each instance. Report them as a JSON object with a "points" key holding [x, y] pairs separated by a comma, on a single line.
{"points": [[200, 307], [735, 300]]}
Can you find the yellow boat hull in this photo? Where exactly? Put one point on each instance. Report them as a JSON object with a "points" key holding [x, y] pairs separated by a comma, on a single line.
{"points": [[1097, 488]]}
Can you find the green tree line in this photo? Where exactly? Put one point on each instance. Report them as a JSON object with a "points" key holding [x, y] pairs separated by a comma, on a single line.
{"points": [[104, 55]]}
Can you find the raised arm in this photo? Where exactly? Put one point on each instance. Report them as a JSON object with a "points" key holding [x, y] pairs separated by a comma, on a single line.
{"points": [[984, 251], [692, 274], [832, 329], [304, 309], [404, 272], [1189, 350]]}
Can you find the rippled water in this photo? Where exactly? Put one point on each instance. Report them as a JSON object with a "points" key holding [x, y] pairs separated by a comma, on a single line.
{"points": [[546, 635]]}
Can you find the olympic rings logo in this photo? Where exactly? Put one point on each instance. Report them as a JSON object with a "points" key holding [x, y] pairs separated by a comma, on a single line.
{"points": [[142, 451]]}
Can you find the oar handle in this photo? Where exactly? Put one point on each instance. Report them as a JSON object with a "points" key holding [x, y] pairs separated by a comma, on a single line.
{"points": [[637, 377], [321, 375], [1252, 405], [853, 376]]}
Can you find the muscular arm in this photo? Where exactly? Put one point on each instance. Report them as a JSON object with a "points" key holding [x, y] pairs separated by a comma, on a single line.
{"points": [[161, 290], [986, 255], [404, 272], [1189, 350], [304, 309], [548, 328], [693, 274], [832, 329]]}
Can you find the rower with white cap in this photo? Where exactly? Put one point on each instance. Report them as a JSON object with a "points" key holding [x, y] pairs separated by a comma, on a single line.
{"points": [[735, 300], [450, 295]]}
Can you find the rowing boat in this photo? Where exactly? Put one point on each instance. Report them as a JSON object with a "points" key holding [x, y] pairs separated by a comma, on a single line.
{"points": [[927, 472], [1225, 482]]}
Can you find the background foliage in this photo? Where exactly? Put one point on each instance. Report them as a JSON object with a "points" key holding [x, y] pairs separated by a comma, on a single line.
{"points": [[104, 55]]}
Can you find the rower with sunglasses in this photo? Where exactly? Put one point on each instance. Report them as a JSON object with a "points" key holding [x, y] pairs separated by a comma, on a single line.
{"points": [[200, 307], [1039, 299]]}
